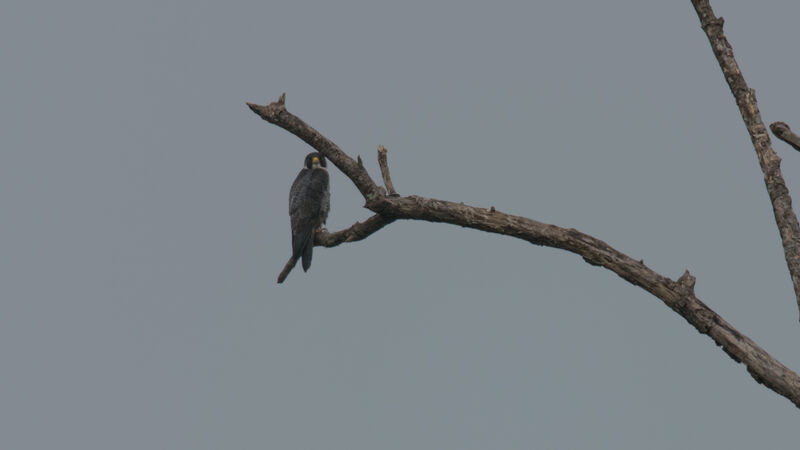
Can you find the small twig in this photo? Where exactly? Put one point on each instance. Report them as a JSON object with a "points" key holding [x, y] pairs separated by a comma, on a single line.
{"points": [[782, 131], [384, 165], [686, 281], [356, 232], [286, 269]]}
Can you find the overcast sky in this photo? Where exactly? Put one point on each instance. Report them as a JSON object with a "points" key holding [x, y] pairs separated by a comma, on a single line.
{"points": [[144, 221]]}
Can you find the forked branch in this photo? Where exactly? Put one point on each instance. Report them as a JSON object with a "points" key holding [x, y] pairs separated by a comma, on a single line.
{"points": [[678, 295]]}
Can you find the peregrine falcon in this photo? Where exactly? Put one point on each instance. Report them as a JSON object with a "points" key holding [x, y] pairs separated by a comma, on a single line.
{"points": [[309, 203]]}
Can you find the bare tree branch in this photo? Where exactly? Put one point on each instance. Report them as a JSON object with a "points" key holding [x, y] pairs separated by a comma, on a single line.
{"points": [[770, 162], [782, 131], [286, 269], [384, 165], [678, 295], [356, 232]]}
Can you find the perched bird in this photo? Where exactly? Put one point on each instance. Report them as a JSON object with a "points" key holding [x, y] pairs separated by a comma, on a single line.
{"points": [[309, 203]]}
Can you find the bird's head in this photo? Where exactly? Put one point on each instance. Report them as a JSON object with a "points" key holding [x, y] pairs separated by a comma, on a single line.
{"points": [[315, 161]]}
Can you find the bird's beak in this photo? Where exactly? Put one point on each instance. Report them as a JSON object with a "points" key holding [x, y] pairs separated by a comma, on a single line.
{"points": [[315, 160]]}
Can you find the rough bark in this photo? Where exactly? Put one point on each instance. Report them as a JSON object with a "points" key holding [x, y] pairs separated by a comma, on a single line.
{"points": [[769, 161], [678, 295]]}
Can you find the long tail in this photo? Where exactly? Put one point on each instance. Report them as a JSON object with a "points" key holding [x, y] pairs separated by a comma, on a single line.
{"points": [[302, 248], [307, 252], [286, 269]]}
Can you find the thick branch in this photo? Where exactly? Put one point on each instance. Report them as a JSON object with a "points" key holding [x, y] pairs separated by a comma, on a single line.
{"points": [[770, 162], [782, 131], [678, 295]]}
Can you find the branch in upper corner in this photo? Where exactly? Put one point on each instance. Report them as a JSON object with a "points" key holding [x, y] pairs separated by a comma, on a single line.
{"points": [[785, 217], [356, 232], [384, 165], [782, 131]]}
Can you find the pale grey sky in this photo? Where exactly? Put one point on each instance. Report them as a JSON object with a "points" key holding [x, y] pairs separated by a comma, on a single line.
{"points": [[144, 221]]}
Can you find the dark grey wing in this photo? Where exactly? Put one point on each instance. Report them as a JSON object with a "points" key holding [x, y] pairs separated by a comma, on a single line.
{"points": [[297, 196], [309, 201], [297, 191]]}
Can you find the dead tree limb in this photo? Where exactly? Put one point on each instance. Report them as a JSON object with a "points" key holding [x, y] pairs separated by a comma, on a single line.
{"points": [[769, 161], [678, 295], [384, 165], [358, 231]]}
